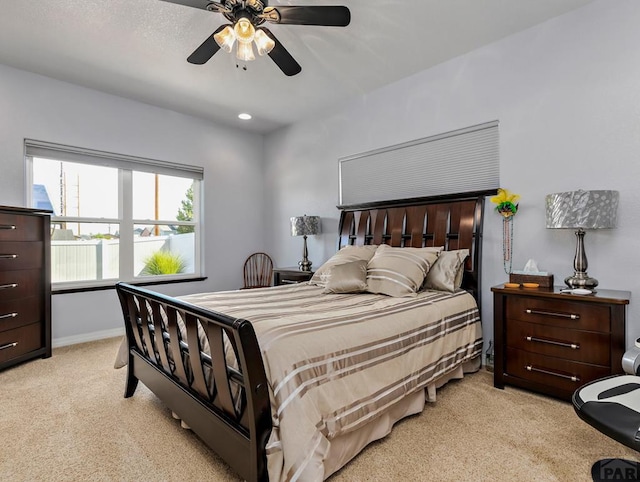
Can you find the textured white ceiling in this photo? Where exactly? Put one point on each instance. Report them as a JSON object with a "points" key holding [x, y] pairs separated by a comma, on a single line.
{"points": [[138, 49]]}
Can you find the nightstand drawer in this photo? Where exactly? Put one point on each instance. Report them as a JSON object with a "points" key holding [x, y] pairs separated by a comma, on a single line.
{"points": [[20, 255], [576, 345], [16, 227], [15, 313], [567, 314], [20, 284], [290, 276], [20, 341], [293, 278], [552, 372]]}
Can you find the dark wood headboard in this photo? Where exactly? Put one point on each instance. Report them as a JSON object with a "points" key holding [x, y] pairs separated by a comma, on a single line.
{"points": [[453, 221]]}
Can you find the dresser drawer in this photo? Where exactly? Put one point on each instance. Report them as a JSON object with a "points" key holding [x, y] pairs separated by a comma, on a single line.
{"points": [[552, 372], [560, 313], [20, 255], [16, 285], [17, 227], [583, 346], [15, 313], [20, 341]]}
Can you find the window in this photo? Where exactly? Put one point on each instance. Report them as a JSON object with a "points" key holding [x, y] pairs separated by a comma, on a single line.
{"points": [[115, 217]]}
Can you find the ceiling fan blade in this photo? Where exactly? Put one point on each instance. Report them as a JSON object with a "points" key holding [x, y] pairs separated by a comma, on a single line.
{"points": [[208, 48], [282, 57], [202, 4], [331, 16]]}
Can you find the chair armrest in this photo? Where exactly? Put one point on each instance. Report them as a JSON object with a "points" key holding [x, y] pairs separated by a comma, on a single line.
{"points": [[631, 360]]}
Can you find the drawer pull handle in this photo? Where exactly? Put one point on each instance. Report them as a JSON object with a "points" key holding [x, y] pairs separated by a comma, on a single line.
{"points": [[8, 345], [573, 346], [8, 315], [7, 226], [8, 256], [288, 282], [573, 378], [9, 286], [552, 313]]}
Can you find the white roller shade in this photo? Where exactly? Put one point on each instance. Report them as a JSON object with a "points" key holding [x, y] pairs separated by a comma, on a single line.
{"points": [[61, 152], [453, 162]]}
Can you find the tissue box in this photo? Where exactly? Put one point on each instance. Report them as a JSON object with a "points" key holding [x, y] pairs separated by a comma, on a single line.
{"points": [[545, 281]]}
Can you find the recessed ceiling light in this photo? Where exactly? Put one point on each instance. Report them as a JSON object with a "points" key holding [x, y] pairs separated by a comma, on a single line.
{"points": [[244, 116]]}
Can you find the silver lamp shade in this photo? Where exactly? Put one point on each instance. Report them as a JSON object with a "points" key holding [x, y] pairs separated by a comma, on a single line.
{"points": [[582, 210], [305, 226]]}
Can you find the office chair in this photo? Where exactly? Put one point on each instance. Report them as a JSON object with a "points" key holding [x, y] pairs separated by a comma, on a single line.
{"points": [[612, 406]]}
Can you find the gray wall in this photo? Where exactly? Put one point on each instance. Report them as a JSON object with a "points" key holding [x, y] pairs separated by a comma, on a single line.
{"points": [[38, 107], [566, 94]]}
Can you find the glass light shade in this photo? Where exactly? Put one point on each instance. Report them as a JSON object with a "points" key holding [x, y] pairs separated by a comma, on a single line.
{"points": [[245, 51], [244, 30], [264, 43], [225, 38]]}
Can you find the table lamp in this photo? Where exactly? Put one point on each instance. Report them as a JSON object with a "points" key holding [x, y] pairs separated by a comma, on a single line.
{"points": [[305, 226], [581, 210]]}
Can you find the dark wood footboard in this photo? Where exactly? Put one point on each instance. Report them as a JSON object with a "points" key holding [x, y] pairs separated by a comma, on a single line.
{"points": [[178, 351]]}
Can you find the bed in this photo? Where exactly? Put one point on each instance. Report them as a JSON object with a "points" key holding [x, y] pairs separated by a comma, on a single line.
{"points": [[291, 382]]}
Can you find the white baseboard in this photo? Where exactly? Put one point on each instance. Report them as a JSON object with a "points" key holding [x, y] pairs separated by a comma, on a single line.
{"points": [[85, 337]]}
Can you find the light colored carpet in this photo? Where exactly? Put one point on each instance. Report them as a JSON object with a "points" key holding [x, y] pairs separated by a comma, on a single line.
{"points": [[65, 419]]}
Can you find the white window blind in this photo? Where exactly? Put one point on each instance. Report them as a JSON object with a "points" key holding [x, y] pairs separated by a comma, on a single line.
{"points": [[463, 160], [48, 150]]}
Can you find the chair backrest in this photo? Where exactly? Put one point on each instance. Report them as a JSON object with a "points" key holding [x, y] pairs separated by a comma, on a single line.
{"points": [[258, 271]]}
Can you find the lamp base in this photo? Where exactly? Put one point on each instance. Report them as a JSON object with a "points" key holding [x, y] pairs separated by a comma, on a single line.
{"points": [[581, 280], [305, 265]]}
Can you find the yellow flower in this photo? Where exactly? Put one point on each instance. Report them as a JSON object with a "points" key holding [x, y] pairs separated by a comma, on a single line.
{"points": [[504, 196], [506, 203]]}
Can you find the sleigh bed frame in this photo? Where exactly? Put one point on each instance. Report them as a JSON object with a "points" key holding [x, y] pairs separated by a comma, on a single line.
{"points": [[232, 415]]}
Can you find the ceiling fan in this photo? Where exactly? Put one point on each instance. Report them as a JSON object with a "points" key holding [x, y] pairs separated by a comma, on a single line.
{"points": [[247, 16]]}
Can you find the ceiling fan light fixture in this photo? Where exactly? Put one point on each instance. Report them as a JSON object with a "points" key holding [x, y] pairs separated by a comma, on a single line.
{"points": [[245, 51], [263, 42], [244, 30], [225, 39]]}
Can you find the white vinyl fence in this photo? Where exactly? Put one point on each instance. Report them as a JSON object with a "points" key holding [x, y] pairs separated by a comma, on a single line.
{"points": [[97, 259]]}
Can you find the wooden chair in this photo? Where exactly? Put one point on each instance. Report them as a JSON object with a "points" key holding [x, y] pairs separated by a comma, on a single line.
{"points": [[258, 271]]}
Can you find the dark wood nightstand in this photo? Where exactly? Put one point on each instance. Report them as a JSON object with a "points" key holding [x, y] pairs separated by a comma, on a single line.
{"points": [[289, 276], [553, 342]]}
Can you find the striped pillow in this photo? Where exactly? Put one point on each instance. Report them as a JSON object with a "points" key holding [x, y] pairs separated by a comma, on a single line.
{"points": [[399, 271], [345, 255]]}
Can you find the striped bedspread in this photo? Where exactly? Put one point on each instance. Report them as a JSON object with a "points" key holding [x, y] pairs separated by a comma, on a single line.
{"points": [[337, 361]]}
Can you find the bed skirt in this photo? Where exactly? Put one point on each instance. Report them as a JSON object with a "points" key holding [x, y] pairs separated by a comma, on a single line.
{"points": [[345, 447]]}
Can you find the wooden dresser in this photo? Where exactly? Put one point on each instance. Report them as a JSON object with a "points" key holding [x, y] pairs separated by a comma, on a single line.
{"points": [[553, 342], [25, 285]]}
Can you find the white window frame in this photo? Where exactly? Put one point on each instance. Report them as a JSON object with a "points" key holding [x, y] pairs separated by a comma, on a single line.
{"points": [[126, 165]]}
